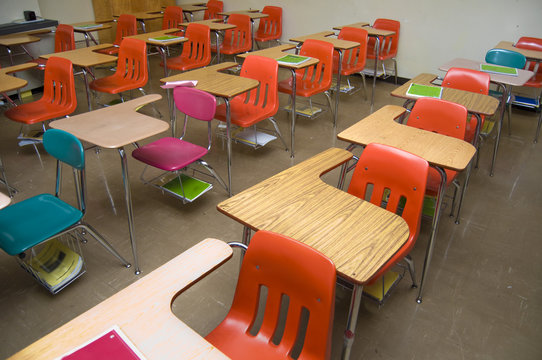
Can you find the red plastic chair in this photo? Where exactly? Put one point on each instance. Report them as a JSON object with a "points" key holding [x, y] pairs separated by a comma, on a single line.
{"points": [[354, 59], [196, 51], [131, 70], [286, 269], [315, 79], [175, 154], [64, 41], [395, 180], [259, 104], [126, 26], [213, 8], [531, 43], [445, 118], [173, 16], [239, 39], [388, 44], [270, 28]]}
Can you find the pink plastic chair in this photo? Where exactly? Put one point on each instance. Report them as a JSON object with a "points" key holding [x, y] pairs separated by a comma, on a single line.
{"points": [[173, 154]]}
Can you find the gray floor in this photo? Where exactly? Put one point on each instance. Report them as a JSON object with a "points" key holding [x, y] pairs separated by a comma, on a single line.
{"points": [[482, 298]]}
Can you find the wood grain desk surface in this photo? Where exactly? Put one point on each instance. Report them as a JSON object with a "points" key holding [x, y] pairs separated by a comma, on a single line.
{"points": [[213, 24], [86, 30], [371, 30], [192, 8], [8, 82], [253, 14], [4, 200], [85, 57], [144, 15], [475, 103], [18, 39], [356, 235], [277, 52], [529, 54], [147, 37], [143, 312], [211, 80], [380, 127], [324, 36], [114, 126], [522, 78]]}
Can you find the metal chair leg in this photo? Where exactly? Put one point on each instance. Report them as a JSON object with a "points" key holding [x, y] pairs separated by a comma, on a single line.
{"points": [[277, 130]]}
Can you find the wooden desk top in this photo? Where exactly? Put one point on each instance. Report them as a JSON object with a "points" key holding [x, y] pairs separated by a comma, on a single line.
{"points": [[85, 30], [4, 200], [475, 103], [277, 52], [114, 126], [144, 15], [356, 235], [213, 24], [522, 78], [193, 7], [253, 14], [8, 83], [147, 36], [324, 36], [529, 54], [85, 57], [143, 312], [380, 127], [18, 39], [211, 80], [371, 30]]}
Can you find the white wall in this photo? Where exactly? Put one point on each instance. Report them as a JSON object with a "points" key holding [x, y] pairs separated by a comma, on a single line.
{"points": [[13, 9]]}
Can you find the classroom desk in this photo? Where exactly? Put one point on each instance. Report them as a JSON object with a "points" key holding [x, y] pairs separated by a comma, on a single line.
{"points": [[252, 14], [86, 58], [87, 31], [356, 235], [143, 312], [440, 151], [191, 9], [276, 53], [144, 15], [504, 81], [8, 82], [216, 26], [219, 84], [377, 34], [8, 41], [532, 55], [339, 46], [114, 127]]}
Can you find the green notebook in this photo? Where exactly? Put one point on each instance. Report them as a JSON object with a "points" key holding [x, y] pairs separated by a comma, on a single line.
{"points": [[292, 59], [418, 90], [501, 70], [88, 26], [166, 38], [193, 188]]}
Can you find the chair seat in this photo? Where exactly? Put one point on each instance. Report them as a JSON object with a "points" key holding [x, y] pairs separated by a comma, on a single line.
{"points": [[169, 154], [112, 50], [244, 116], [34, 220], [383, 55], [115, 84], [433, 180], [305, 88], [37, 111], [535, 81], [182, 63], [266, 37]]}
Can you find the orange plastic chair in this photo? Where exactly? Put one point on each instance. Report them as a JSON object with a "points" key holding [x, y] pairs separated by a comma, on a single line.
{"points": [[196, 51], [239, 39], [213, 8], [395, 180], [531, 43], [354, 59], [315, 79], [173, 16], [126, 26], [388, 44], [64, 41], [131, 70], [286, 269], [259, 104], [270, 28], [445, 118]]}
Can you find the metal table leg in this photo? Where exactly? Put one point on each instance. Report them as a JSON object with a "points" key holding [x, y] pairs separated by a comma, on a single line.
{"points": [[292, 120], [499, 127], [349, 333], [377, 54], [228, 145], [337, 90]]}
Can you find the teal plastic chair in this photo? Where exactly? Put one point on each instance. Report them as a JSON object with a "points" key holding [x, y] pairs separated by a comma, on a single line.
{"points": [[508, 58], [33, 221]]}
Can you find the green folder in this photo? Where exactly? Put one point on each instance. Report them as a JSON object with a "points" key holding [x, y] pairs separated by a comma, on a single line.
{"points": [[193, 188], [418, 90], [166, 38], [501, 70], [292, 59]]}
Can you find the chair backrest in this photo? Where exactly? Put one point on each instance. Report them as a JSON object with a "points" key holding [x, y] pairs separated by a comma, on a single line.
{"points": [[198, 47], [59, 84], [388, 44], [126, 26], [467, 80], [531, 43], [195, 103], [64, 39], [239, 38], [440, 116], [395, 180], [505, 57], [286, 269], [271, 25], [132, 62], [173, 16], [357, 57], [213, 8], [322, 72], [265, 96]]}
